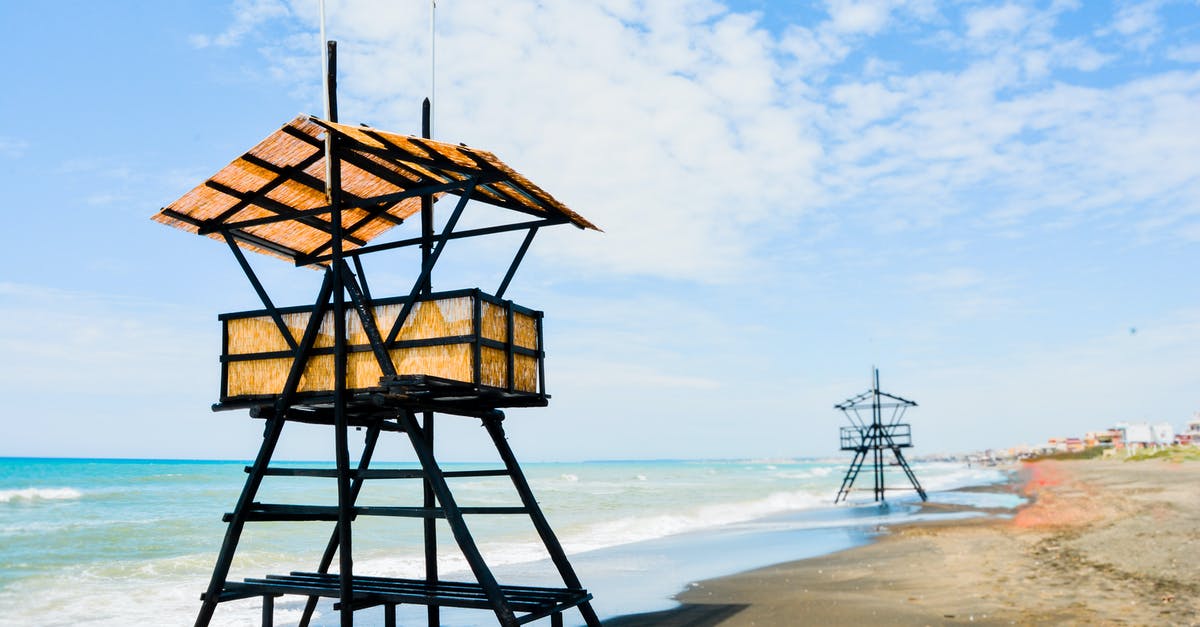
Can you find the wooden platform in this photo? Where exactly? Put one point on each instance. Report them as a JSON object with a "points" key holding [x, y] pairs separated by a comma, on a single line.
{"points": [[400, 392], [533, 602]]}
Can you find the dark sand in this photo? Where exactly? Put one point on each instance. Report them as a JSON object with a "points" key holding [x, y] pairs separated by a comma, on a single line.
{"points": [[1102, 543]]}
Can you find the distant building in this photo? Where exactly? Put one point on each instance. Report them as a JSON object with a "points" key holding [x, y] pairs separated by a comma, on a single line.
{"points": [[1145, 435], [1164, 433], [1104, 439], [1020, 451], [1190, 433]]}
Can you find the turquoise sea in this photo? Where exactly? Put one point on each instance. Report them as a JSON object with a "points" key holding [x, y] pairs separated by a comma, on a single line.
{"points": [[121, 542]]}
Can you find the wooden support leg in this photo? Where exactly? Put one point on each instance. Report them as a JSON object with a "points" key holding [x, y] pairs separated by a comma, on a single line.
{"points": [[268, 614], [364, 463], [556, 619], [909, 473], [557, 555], [233, 533], [433, 612], [860, 455], [454, 519], [389, 615]]}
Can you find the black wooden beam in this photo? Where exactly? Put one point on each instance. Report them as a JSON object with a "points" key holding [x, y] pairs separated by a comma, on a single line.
{"points": [[266, 188], [278, 249], [512, 268], [412, 241], [367, 317], [372, 438], [428, 266], [458, 527], [350, 155], [380, 473], [496, 430], [271, 512], [262, 293], [281, 209], [341, 428], [362, 278], [300, 355], [233, 533], [411, 193]]}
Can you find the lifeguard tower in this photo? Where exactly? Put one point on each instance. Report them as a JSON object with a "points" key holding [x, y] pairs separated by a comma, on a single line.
{"points": [[318, 194], [871, 437]]}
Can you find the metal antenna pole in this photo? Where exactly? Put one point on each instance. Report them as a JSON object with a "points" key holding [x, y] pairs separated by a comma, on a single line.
{"points": [[877, 426], [432, 62]]}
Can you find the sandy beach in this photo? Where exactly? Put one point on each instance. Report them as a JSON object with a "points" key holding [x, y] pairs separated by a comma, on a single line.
{"points": [[1101, 542]]}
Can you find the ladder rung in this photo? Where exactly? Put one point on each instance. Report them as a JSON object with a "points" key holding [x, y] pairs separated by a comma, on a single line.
{"points": [[376, 474], [275, 512]]}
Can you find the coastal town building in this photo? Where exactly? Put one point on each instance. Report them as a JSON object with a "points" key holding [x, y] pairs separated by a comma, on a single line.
{"points": [[1191, 432], [1109, 438], [1126, 437], [1143, 435]]}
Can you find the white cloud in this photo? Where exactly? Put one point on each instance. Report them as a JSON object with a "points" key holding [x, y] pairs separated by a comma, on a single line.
{"points": [[813, 49], [98, 344], [1138, 24], [1078, 55], [1044, 391], [866, 103], [13, 148], [247, 16], [681, 127], [654, 129], [1008, 19], [851, 17], [1185, 54], [948, 279]]}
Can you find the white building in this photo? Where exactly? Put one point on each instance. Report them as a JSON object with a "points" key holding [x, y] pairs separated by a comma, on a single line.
{"points": [[1145, 435]]}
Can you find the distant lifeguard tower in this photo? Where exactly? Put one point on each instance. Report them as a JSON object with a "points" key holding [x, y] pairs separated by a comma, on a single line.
{"points": [[317, 193], [871, 437]]}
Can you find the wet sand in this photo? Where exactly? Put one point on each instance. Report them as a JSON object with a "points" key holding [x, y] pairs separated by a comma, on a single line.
{"points": [[1102, 542]]}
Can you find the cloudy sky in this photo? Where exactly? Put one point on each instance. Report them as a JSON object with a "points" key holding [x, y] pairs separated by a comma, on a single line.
{"points": [[996, 203]]}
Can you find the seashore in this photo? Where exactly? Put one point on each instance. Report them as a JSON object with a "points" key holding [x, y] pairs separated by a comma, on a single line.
{"points": [[1099, 542]]}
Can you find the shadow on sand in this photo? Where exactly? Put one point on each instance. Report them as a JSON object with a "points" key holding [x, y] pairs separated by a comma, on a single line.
{"points": [[682, 616]]}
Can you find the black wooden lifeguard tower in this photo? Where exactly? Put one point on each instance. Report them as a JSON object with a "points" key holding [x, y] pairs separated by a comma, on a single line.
{"points": [[876, 436], [354, 360]]}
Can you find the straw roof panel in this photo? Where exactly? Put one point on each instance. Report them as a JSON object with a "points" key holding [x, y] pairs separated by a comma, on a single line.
{"points": [[471, 159], [284, 174]]}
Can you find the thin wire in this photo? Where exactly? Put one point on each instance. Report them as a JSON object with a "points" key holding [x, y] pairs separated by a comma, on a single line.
{"points": [[324, 65], [432, 62], [328, 106]]}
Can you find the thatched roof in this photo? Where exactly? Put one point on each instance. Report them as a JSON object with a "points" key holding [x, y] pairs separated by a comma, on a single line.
{"points": [[284, 175]]}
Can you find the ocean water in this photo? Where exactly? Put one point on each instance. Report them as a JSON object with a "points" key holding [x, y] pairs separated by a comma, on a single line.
{"points": [[120, 542]]}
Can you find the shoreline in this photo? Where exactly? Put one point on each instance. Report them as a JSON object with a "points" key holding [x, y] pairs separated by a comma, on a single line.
{"points": [[1099, 542]]}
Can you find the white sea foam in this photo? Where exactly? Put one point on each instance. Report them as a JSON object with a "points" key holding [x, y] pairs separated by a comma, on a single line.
{"points": [[602, 535], [951, 476], [592, 506], [39, 494], [648, 527]]}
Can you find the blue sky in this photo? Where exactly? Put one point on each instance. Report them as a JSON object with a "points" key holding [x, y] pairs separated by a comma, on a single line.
{"points": [[996, 203]]}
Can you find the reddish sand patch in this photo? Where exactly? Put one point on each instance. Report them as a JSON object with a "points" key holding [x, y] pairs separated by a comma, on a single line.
{"points": [[1057, 500]]}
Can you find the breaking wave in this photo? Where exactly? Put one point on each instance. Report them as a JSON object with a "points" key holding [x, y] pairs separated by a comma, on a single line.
{"points": [[39, 494]]}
